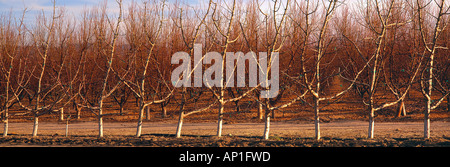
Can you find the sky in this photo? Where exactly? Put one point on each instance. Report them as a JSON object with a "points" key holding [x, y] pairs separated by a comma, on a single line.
{"points": [[32, 5], [73, 7]]}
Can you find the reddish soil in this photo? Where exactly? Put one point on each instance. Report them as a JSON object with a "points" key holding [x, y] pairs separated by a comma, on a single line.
{"points": [[341, 133]]}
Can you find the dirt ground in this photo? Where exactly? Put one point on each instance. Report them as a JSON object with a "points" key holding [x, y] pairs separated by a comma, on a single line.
{"points": [[343, 123], [337, 133]]}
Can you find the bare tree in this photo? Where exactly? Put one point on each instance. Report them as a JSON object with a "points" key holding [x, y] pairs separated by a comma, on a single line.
{"points": [[152, 24], [189, 42], [225, 40], [377, 18], [11, 41], [109, 51], [273, 45], [42, 37], [313, 85], [431, 46], [322, 53]]}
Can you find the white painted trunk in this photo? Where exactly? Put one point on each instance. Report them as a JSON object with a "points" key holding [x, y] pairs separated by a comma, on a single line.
{"points": [[401, 109], [61, 114], [404, 108], [427, 130], [139, 124], [220, 121], [35, 126], [5, 124], [180, 124], [5, 127], [426, 126], [317, 128], [67, 128], [219, 127], [426, 123], [371, 125], [139, 129], [267, 128], [316, 119], [100, 126], [181, 118]]}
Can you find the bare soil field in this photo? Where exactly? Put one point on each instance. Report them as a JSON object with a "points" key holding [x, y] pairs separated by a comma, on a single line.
{"points": [[283, 134], [343, 123]]}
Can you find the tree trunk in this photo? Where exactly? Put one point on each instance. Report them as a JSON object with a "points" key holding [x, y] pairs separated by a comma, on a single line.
{"points": [[316, 118], [426, 126], [260, 106], [267, 126], [121, 108], [78, 112], [260, 110], [100, 123], [5, 125], [273, 114], [426, 123], [61, 114], [220, 120], [401, 109], [371, 124], [67, 127], [181, 118], [147, 113], [35, 125], [141, 115], [448, 103], [180, 124], [163, 110]]}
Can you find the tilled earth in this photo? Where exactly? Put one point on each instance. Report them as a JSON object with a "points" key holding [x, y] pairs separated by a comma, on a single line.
{"points": [[226, 141], [335, 134]]}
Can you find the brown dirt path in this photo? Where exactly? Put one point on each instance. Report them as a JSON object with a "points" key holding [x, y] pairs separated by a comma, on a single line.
{"points": [[339, 129]]}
